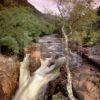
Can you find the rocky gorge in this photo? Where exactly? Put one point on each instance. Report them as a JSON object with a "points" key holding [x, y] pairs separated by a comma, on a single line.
{"points": [[85, 73]]}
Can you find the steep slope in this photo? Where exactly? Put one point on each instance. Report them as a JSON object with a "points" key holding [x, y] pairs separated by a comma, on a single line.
{"points": [[20, 22], [18, 3]]}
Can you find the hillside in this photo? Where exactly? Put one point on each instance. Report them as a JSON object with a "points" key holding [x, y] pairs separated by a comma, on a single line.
{"points": [[19, 2], [20, 23]]}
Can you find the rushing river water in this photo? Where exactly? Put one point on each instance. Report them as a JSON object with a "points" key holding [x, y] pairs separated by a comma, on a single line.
{"points": [[55, 46], [84, 73]]}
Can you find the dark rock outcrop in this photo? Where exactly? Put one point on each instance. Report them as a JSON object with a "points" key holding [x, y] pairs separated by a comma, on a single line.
{"points": [[92, 54]]}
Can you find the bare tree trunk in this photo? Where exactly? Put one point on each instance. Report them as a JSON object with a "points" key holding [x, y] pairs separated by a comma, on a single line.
{"points": [[69, 78]]}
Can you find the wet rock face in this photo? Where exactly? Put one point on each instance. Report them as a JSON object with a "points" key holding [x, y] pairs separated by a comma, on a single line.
{"points": [[95, 50], [57, 88], [34, 51], [8, 77], [94, 53]]}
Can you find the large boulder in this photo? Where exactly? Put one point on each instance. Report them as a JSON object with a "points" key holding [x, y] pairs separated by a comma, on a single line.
{"points": [[86, 83], [8, 77], [34, 51]]}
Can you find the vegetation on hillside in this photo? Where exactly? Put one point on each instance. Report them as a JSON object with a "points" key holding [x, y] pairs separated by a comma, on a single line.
{"points": [[18, 26], [81, 20]]}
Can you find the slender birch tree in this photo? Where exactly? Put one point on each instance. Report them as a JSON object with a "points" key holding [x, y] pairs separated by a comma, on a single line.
{"points": [[78, 14]]}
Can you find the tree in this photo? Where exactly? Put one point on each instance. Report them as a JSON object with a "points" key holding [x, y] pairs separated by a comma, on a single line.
{"points": [[79, 14]]}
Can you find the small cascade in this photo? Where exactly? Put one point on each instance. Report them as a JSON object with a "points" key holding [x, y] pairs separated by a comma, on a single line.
{"points": [[54, 46]]}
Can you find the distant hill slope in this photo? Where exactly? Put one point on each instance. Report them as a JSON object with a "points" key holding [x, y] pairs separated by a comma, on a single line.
{"points": [[18, 3]]}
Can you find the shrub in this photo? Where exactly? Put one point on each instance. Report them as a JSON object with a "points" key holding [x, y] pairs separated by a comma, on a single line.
{"points": [[10, 42], [85, 38], [18, 25]]}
